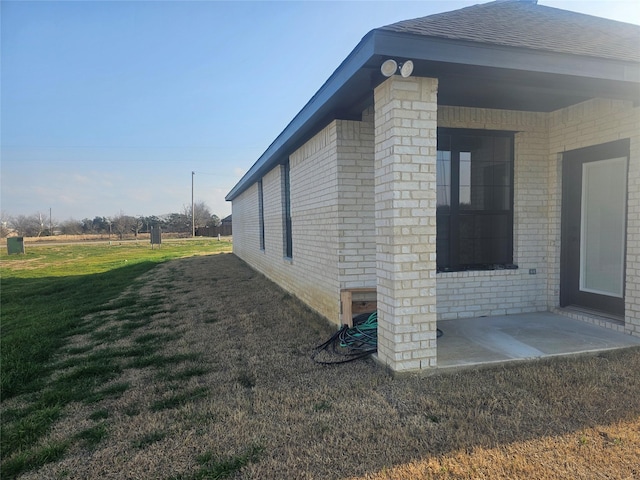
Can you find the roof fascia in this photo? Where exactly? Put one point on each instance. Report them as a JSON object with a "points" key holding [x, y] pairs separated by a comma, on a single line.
{"points": [[418, 47]]}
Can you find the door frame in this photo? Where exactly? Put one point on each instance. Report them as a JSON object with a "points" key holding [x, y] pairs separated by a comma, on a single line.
{"points": [[572, 168]]}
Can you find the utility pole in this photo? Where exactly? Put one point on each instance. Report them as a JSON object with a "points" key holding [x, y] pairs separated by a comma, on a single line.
{"points": [[193, 213], [50, 224]]}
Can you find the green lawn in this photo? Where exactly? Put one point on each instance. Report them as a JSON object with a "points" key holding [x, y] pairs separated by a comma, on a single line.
{"points": [[46, 296]]}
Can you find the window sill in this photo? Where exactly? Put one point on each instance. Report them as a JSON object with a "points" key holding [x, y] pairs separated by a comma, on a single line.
{"points": [[478, 273]]}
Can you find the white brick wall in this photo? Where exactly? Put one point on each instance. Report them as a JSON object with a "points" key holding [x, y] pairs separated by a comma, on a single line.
{"points": [[537, 210], [332, 211], [503, 292], [586, 124], [313, 272], [246, 229], [356, 207], [246, 232], [405, 198]]}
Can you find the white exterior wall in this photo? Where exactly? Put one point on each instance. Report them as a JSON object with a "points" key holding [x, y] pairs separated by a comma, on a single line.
{"points": [[504, 292], [356, 207], [592, 123], [405, 215], [246, 230], [537, 210], [312, 273], [333, 231], [339, 219]]}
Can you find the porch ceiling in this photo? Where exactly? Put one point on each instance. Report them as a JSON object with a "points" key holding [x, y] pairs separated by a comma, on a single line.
{"points": [[493, 76]]}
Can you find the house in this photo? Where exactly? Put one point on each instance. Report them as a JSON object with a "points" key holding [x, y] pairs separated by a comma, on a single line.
{"points": [[483, 161], [225, 229]]}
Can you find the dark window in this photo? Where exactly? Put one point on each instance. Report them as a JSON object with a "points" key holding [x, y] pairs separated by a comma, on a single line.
{"points": [[474, 171], [261, 213], [286, 211]]}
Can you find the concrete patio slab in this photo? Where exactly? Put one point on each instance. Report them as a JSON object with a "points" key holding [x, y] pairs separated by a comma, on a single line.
{"points": [[486, 340]]}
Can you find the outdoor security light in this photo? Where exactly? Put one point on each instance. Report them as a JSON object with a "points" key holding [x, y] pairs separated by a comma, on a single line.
{"points": [[406, 69], [390, 67]]}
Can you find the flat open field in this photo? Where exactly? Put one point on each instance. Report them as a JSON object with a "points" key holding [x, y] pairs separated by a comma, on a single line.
{"points": [[200, 367]]}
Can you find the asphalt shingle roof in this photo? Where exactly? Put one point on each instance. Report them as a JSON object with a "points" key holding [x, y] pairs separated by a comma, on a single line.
{"points": [[523, 23]]}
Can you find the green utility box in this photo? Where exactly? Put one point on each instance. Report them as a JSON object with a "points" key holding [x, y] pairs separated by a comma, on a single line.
{"points": [[15, 245]]}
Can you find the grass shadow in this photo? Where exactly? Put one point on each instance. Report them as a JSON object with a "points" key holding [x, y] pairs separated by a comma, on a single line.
{"points": [[32, 331]]}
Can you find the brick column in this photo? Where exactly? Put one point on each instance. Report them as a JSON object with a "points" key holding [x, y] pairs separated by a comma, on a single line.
{"points": [[405, 212]]}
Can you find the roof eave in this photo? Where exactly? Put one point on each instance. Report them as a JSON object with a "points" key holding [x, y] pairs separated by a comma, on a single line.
{"points": [[310, 113], [379, 44], [435, 49]]}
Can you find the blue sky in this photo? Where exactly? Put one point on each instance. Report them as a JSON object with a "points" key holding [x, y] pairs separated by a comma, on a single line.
{"points": [[108, 106]]}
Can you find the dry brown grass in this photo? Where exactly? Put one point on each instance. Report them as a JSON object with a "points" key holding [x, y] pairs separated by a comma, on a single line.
{"points": [[611, 451], [559, 418]]}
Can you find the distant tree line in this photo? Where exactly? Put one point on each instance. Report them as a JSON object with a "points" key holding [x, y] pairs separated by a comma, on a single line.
{"points": [[119, 225]]}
